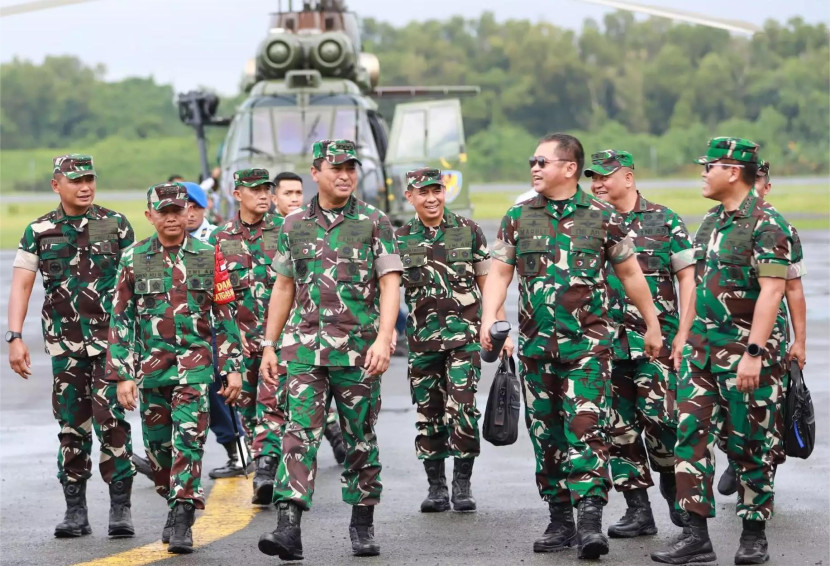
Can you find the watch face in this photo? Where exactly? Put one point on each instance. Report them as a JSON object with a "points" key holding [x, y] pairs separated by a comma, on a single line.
{"points": [[753, 350], [11, 336]]}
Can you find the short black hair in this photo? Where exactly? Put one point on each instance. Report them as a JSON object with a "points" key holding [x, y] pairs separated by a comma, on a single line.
{"points": [[748, 173], [174, 177], [318, 163], [568, 147], [286, 176]]}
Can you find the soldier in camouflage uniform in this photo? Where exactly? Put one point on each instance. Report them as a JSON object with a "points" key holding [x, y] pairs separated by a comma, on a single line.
{"points": [[161, 347], [731, 372], [445, 260], [76, 249], [642, 401], [338, 289], [797, 312], [560, 241]]}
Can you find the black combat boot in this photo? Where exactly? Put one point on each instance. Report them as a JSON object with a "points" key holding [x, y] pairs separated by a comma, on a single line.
{"points": [[285, 541], [168, 528], [668, 489], [728, 483], [335, 437], [438, 498], [266, 470], [753, 545], [692, 546], [75, 522], [462, 495], [142, 466], [232, 468], [181, 537], [561, 531], [121, 520], [590, 541], [637, 520], [362, 531]]}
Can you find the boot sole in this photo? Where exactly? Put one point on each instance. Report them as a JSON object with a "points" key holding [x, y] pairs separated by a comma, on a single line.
{"points": [[273, 548], [63, 533], [538, 547], [122, 533], [695, 559], [593, 550], [367, 552], [183, 549], [435, 508], [651, 530], [762, 560]]}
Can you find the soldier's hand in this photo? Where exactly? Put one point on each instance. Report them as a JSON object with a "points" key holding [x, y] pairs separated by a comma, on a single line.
{"points": [[798, 352], [19, 359], [269, 366], [507, 349], [677, 351], [749, 373], [232, 387], [377, 358], [484, 334], [127, 394], [393, 343], [653, 339]]}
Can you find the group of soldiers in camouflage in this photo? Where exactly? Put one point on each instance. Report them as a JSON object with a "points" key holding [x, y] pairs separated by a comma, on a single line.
{"points": [[295, 311]]}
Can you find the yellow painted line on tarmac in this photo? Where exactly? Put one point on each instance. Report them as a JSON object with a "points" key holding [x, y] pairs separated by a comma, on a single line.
{"points": [[228, 509]]}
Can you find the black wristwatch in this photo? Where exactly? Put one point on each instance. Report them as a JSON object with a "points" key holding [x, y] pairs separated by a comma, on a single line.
{"points": [[12, 335], [753, 350]]}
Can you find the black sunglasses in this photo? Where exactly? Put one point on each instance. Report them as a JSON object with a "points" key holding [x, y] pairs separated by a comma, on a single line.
{"points": [[542, 161]]}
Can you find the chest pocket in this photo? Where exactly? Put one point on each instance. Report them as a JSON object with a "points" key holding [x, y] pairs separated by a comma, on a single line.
{"points": [[55, 255], [414, 261], [530, 255], [354, 253], [701, 244], [653, 253], [587, 235], [735, 256], [103, 243], [151, 286], [303, 238], [458, 244], [270, 240], [199, 269], [238, 262]]}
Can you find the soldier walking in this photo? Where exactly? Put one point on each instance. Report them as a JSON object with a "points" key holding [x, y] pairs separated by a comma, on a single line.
{"points": [[76, 248], [445, 260], [642, 400], [160, 338], [559, 242], [338, 290], [731, 367]]}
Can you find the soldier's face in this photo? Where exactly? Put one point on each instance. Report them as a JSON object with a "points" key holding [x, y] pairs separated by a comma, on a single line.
{"points": [[254, 200], [556, 171], [614, 187], [336, 182], [719, 179], [170, 222], [428, 202], [195, 215], [76, 194], [288, 196]]}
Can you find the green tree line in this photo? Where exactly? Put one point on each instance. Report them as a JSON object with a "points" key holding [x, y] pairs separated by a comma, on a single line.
{"points": [[653, 87]]}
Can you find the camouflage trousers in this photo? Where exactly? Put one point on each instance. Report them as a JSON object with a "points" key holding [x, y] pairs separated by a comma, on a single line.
{"points": [[82, 400], [443, 386], [564, 404], [175, 421], [310, 391], [262, 409], [709, 407], [642, 408]]}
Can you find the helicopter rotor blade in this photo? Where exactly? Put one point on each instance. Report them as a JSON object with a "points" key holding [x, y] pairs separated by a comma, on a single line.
{"points": [[37, 5], [679, 15], [387, 91]]}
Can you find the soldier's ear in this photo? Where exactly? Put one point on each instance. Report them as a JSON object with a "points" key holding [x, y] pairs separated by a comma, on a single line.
{"points": [[148, 216]]}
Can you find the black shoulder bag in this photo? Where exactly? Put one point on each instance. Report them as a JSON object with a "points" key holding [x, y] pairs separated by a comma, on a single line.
{"points": [[800, 418], [501, 417]]}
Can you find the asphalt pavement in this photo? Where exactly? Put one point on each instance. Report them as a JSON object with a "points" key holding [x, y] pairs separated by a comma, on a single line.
{"points": [[510, 513]]}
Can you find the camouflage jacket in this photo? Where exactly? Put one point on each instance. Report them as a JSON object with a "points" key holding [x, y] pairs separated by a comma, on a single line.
{"points": [[160, 333], [78, 260], [440, 266], [335, 268], [732, 251], [560, 259], [663, 248], [249, 254]]}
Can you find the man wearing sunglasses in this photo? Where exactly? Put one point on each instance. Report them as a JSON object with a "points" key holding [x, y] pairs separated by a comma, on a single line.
{"points": [[559, 242], [642, 405], [731, 367]]}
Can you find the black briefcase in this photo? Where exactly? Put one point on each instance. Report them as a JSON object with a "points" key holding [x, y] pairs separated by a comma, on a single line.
{"points": [[800, 418], [501, 417]]}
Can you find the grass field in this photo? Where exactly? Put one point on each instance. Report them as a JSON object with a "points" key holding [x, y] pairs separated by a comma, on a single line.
{"points": [[807, 207]]}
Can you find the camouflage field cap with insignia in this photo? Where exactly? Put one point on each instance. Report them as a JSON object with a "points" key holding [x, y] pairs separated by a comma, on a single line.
{"points": [[252, 178], [335, 152], [73, 165], [739, 149], [763, 168], [607, 161], [167, 194], [423, 177]]}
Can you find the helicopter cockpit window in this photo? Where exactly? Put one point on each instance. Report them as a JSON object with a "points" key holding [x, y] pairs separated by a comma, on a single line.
{"points": [[443, 132], [412, 142]]}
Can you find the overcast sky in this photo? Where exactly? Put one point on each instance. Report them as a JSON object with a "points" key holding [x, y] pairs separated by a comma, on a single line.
{"points": [[207, 42]]}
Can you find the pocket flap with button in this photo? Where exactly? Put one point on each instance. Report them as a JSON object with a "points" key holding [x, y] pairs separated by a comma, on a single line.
{"points": [[412, 259]]}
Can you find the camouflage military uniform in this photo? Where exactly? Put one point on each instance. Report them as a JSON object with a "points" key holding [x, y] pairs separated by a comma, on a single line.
{"points": [[440, 269], [565, 339], [732, 251], [642, 399], [335, 259], [78, 258], [160, 337]]}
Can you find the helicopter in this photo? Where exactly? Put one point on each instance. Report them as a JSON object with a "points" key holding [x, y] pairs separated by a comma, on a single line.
{"points": [[311, 80]]}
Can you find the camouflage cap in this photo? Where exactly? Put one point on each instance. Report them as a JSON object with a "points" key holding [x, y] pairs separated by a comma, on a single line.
{"points": [[73, 165], [335, 152], [763, 168], [607, 161], [251, 178], [423, 178], [739, 149], [167, 194]]}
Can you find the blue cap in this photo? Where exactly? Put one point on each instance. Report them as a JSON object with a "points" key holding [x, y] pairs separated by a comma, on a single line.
{"points": [[196, 194]]}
